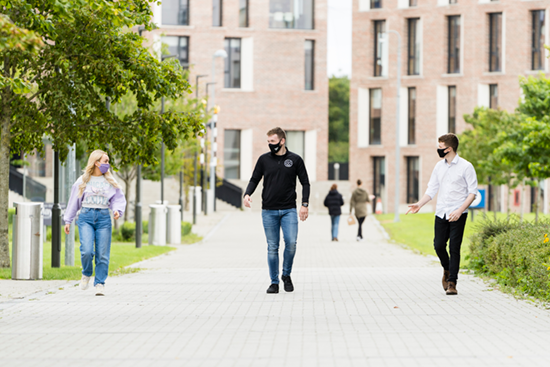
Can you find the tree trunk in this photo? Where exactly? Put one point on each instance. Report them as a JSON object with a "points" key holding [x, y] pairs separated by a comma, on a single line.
{"points": [[522, 201], [5, 138], [127, 189]]}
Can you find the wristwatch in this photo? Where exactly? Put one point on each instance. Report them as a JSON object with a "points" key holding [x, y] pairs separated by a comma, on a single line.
{"points": [[305, 205]]}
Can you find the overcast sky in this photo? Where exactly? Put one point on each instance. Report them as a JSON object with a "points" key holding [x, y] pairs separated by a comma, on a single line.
{"points": [[339, 37]]}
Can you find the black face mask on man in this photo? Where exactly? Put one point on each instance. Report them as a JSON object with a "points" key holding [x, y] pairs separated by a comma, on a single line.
{"points": [[275, 147], [442, 152]]}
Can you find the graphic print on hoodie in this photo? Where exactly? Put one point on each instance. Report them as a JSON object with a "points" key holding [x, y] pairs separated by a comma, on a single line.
{"points": [[96, 193]]}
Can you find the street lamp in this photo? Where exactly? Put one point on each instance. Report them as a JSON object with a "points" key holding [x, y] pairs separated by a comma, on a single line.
{"points": [[218, 54], [163, 57], [397, 146], [205, 159], [195, 161]]}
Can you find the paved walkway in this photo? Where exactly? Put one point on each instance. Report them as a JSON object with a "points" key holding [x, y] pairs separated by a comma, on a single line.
{"points": [[356, 304]]}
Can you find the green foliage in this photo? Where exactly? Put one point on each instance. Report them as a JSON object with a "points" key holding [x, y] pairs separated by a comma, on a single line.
{"points": [[128, 232], [186, 228], [516, 254], [338, 119], [11, 213], [145, 226]]}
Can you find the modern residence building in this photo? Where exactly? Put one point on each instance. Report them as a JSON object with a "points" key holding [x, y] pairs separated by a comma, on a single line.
{"points": [[455, 55], [274, 75]]}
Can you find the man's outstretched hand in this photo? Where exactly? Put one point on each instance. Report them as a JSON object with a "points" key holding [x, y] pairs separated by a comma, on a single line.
{"points": [[413, 208], [247, 201]]}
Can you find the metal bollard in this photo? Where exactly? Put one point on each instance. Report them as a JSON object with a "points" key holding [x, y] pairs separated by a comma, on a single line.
{"points": [[173, 234], [157, 225], [27, 249]]}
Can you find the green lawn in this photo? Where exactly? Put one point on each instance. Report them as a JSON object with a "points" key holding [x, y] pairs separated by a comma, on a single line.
{"points": [[417, 230]]}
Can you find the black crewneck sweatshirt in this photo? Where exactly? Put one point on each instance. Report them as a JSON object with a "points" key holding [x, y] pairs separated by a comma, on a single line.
{"points": [[279, 173]]}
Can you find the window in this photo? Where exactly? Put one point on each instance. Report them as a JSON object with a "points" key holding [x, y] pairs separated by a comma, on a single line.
{"points": [[375, 117], [217, 13], [232, 63], [413, 3], [243, 13], [453, 48], [495, 40], [232, 154], [375, 4], [537, 48], [453, 1], [178, 46], [295, 14], [379, 29], [414, 47], [493, 96], [452, 109], [413, 177], [295, 142], [175, 12], [379, 180], [310, 63], [412, 116]]}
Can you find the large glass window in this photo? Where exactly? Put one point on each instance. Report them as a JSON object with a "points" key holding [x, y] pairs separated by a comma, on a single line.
{"points": [[217, 13], [375, 117], [233, 63], [297, 14], [493, 96], [453, 45], [378, 180], [412, 116], [175, 12], [379, 29], [452, 109], [495, 40], [243, 13], [309, 47], [178, 46], [414, 47], [413, 3], [232, 154], [537, 48], [375, 4], [413, 179], [295, 142]]}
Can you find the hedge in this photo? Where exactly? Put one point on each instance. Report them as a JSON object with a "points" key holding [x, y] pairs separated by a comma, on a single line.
{"points": [[516, 254]]}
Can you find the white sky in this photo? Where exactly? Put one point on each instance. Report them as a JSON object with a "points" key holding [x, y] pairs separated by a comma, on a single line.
{"points": [[339, 38]]}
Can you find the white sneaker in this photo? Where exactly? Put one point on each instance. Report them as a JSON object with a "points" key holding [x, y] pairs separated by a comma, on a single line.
{"points": [[359, 239], [100, 290], [84, 282]]}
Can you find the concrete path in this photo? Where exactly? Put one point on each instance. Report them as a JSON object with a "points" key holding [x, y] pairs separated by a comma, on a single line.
{"points": [[356, 304]]}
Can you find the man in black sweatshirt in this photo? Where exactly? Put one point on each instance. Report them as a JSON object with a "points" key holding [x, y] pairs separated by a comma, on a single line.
{"points": [[279, 168]]}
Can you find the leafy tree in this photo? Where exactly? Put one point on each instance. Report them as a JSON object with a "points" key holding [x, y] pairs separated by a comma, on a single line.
{"points": [[338, 135], [89, 56]]}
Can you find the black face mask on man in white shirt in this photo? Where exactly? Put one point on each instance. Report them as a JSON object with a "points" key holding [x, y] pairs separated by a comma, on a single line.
{"points": [[442, 152]]}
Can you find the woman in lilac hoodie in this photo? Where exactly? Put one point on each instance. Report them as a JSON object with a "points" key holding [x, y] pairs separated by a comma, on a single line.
{"points": [[94, 193]]}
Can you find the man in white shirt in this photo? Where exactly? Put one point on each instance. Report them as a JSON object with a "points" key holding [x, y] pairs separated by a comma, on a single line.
{"points": [[456, 181]]}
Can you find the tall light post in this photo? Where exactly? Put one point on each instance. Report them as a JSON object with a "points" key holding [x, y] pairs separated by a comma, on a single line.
{"points": [[195, 160], [397, 143], [163, 57], [218, 54], [137, 210], [205, 159]]}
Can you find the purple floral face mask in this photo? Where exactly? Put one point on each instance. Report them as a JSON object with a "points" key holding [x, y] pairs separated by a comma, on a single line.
{"points": [[104, 168]]}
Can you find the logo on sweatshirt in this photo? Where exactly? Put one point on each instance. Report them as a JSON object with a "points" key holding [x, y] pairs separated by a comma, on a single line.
{"points": [[288, 163]]}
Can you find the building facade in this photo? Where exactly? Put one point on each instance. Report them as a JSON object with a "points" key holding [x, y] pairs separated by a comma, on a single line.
{"points": [[274, 75], [455, 55]]}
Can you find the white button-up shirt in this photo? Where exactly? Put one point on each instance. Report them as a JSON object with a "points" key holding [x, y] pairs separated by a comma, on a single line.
{"points": [[454, 181]]}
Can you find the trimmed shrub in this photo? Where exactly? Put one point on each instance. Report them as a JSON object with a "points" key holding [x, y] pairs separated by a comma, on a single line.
{"points": [[186, 228], [145, 225], [11, 213], [515, 254], [128, 231]]}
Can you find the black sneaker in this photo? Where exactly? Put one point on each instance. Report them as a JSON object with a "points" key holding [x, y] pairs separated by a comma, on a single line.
{"points": [[288, 283], [273, 288]]}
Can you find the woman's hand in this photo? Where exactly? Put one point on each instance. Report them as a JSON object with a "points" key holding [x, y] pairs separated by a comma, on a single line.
{"points": [[67, 228], [117, 215]]}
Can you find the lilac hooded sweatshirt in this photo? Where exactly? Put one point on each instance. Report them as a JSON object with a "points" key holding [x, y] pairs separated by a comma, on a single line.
{"points": [[116, 200]]}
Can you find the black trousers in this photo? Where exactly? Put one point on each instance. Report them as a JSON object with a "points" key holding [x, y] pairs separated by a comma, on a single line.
{"points": [[360, 230], [452, 232]]}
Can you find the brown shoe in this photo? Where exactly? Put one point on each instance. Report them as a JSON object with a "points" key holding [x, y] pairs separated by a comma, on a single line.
{"points": [[444, 281], [451, 290]]}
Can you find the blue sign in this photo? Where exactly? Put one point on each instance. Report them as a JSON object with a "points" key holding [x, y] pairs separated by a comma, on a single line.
{"points": [[479, 202]]}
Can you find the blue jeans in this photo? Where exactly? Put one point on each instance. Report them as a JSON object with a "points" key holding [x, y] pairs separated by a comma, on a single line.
{"points": [[94, 226], [335, 220], [274, 221]]}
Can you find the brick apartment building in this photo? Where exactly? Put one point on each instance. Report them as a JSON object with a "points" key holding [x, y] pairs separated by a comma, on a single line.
{"points": [[456, 55], [275, 73]]}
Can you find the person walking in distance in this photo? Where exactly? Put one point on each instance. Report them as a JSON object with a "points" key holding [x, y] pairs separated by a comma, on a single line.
{"points": [[358, 203], [334, 202], [94, 193], [279, 169], [455, 180]]}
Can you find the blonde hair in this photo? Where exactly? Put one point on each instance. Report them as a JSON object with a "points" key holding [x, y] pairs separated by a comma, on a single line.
{"points": [[89, 170]]}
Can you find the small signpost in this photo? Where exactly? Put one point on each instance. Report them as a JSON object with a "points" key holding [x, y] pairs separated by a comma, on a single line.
{"points": [[479, 202]]}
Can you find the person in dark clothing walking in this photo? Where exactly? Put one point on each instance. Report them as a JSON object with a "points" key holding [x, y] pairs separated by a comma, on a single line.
{"points": [[279, 169], [334, 202], [358, 202]]}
